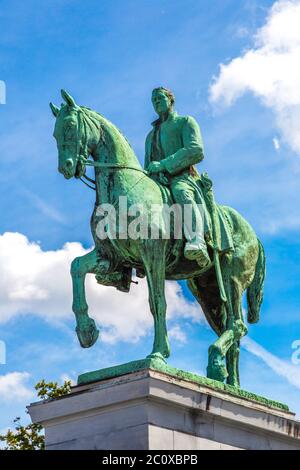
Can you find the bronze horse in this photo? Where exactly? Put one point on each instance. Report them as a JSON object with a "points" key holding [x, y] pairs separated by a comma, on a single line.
{"points": [[80, 133]]}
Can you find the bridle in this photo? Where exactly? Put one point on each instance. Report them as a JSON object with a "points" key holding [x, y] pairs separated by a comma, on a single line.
{"points": [[83, 154]]}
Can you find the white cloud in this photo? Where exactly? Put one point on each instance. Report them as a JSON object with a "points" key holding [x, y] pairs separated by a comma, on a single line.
{"points": [[33, 280], [2, 92], [283, 368], [13, 387], [177, 334], [270, 70], [67, 378], [3, 431], [38, 282], [276, 144], [242, 32]]}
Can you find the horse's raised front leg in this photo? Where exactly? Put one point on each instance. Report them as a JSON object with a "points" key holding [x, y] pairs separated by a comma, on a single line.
{"points": [[155, 272], [86, 328]]}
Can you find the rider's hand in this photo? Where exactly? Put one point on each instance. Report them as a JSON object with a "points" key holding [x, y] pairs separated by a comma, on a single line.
{"points": [[155, 167]]}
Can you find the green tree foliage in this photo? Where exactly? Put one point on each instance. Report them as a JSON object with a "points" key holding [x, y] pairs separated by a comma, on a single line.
{"points": [[31, 437], [50, 390], [28, 437]]}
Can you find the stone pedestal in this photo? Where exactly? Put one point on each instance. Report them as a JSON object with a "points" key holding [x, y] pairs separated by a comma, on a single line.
{"points": [[161, 408]]}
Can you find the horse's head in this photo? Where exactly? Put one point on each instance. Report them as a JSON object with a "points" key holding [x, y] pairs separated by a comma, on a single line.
{"points": [[69, 133]]}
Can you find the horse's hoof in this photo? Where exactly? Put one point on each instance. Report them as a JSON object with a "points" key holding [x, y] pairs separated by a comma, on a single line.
{"points": [[157, 355], [87, 333], [218, 373], [233, 383], [216, 369]]}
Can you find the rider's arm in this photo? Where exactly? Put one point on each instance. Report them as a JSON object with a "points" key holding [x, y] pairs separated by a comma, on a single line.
{"points": [[192, 151]]}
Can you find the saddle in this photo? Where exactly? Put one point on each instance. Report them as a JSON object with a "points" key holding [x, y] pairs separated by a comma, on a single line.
{"points": [[217, 234]]}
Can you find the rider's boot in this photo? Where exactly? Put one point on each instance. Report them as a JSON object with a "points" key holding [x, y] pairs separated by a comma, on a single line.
{"points": [[196, 250]]}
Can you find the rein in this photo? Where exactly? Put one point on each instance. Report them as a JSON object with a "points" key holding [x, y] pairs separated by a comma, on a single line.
{"points": [[112, 166], [106, 166], [83, 158], [87, 184]]}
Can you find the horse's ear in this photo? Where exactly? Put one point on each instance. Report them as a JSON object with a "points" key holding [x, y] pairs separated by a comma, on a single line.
{"points": [[55, 110], [68, 98]]}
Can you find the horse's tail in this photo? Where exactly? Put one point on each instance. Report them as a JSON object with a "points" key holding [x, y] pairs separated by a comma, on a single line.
{"points": [[255, 290]]}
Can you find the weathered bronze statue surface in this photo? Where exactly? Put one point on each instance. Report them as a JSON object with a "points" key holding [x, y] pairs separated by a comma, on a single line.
{"points": [[219, 263]]}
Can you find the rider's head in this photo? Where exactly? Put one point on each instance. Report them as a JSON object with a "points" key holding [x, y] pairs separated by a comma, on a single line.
{"points": [[163, 100]]}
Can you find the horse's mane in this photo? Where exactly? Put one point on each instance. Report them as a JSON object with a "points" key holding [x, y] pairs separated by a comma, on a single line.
{"points": [[100, 121]]}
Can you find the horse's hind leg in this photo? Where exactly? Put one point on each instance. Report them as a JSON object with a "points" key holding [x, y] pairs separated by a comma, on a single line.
{"points": [[216, 368], [233, 354], [228, 343], [86, 328], [232, 361]]}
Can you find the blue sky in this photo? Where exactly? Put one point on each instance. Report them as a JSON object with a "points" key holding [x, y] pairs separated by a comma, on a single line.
{"points": [[109, 55]]}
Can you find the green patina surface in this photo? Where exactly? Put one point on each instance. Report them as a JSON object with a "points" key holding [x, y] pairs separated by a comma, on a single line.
{"points": [[220, 262], [160, 366]]}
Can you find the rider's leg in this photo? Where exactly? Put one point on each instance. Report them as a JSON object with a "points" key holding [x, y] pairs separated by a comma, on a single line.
{"points": [[195, 248]]}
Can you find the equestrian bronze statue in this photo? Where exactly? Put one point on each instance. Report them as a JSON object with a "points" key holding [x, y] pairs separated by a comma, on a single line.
{"points": [[220, 256]]}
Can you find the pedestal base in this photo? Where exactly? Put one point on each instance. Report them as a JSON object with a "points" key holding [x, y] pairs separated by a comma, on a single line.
{"points": [[154, 410]]}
